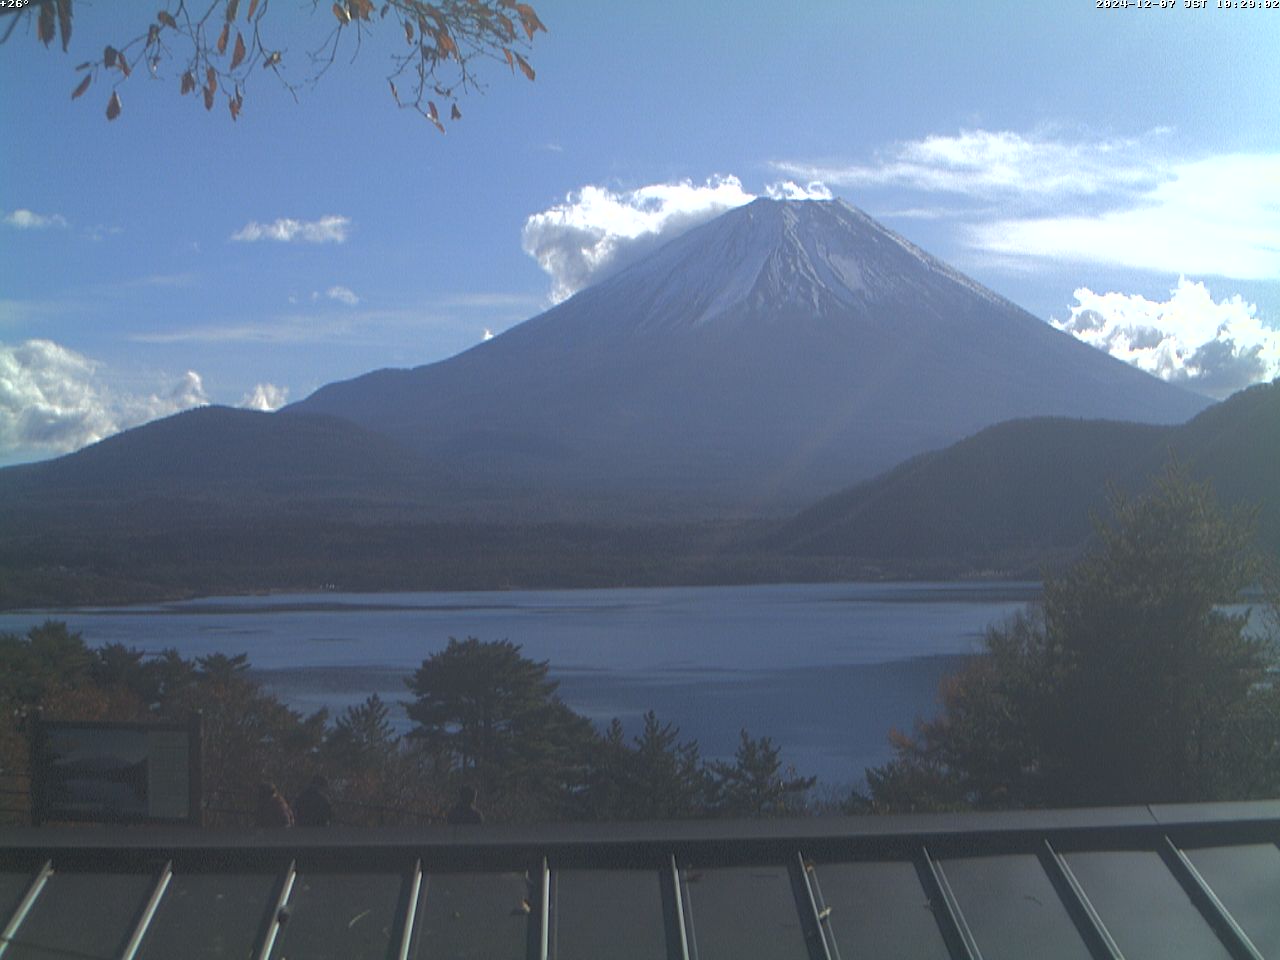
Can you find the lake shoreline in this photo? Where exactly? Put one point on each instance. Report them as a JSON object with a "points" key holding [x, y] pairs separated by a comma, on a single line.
{"points": [[824, 669]]}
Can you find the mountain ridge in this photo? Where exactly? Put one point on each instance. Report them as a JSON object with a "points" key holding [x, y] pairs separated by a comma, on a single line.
{"points": [[772, 355], [1031, 487], [1009, 502]]}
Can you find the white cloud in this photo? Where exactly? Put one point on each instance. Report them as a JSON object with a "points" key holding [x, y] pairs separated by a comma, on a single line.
{"points": [[286, 330], [1219, 216], [488, 301], [342, 295], [53, 400], [100, 232], [597, 231], [790, 190], [329, 229], [359, 326], [266, 397], [993, 164], [339, 293], [183, 394], [175, 281], [27, 220], [1124, 202], [1215, 347]]}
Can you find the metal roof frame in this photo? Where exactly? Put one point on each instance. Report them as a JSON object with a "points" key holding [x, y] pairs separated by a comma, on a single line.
{"points": [[800, 848]]}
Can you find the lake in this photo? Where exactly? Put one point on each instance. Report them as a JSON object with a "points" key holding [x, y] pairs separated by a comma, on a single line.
{"points": [[826, 670]]}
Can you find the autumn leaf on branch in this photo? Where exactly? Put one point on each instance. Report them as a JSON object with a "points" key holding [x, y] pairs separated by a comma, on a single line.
{"points": [[45, 23], [435, 49], [524, 66], [64, 22]]}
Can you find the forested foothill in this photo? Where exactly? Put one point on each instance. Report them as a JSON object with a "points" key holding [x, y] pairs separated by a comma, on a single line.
{"points": [[262, 508]]}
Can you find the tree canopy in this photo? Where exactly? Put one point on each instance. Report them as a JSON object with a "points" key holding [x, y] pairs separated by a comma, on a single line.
{"points": [[756, 784], [486, 717], [657, 777], [488, 712], [216, 45], [1138, 682]]}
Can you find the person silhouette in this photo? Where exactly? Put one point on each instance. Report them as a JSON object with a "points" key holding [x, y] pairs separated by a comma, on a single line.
{"points": [[465, 810], [312, 807]]}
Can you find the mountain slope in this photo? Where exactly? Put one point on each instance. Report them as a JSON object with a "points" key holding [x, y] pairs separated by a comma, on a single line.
{"points": [[1023, 492], [772, 355]]}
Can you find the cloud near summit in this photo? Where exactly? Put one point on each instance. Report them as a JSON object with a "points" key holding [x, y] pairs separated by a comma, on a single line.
{"points": [[597, 231]]}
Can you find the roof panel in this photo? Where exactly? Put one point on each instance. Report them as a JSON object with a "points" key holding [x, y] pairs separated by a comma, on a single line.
{"points": [[1144, 907], [82, 915], [1246, 878], [1002, 873], [1009, 902], [342, 916], [14, 885], [736, 912], [475, 915], [210, 915], [880, 909], [609, 913]]}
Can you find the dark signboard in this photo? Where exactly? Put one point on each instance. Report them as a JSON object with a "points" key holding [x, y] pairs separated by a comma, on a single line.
{"points": [[110, 772]]}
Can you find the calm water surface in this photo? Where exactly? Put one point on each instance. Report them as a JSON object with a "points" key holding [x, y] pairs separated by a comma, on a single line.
{"points": [[825, 669]]}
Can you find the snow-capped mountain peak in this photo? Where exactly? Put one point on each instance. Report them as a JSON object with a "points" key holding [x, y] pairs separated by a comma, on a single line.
{"points": [[784, 349], [778, 258]]}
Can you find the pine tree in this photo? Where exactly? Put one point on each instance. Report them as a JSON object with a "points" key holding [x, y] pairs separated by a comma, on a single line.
{"points": [[491, 714], [755, 784]]}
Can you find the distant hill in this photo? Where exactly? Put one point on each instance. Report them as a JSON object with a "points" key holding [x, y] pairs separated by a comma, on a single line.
{"points": [[228, 457], [1022, 493], [1006, 502]]}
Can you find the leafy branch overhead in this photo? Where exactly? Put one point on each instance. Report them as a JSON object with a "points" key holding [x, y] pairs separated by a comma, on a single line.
{"points": [[434, 48]]}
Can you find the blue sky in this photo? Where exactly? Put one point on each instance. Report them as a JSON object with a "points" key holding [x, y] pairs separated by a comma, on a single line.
{"points": [[1114, 171]]}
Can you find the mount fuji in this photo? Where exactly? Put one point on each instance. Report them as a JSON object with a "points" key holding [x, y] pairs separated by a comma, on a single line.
{"points": [[777, 353]]}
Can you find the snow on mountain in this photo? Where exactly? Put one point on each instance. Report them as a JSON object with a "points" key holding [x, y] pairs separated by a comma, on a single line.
{"points": [[780, 351], [770, 256]]}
